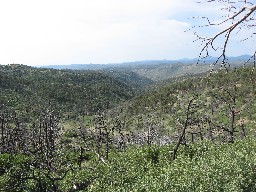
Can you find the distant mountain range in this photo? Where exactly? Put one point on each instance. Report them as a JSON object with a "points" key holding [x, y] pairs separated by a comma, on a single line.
{"points": [[143, 72], [208, 60]]}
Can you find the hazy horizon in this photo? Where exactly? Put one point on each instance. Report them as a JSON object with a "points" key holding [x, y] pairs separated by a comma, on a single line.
{"points": [[63, 32]]}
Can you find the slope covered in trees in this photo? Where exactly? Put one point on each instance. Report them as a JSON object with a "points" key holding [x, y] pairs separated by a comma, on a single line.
{"points": [[27, 89], [155, 70], [192, 134], [221, 101], [136, 81]]}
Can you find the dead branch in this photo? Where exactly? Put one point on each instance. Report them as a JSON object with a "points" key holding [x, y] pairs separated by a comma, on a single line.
{"points": [[238, 18]]}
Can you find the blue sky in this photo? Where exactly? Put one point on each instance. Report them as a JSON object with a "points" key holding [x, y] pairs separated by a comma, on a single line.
{"points": [[103, 31]]}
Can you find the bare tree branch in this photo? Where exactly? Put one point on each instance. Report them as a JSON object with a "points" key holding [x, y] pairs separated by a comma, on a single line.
{"points": [[240, 16]]}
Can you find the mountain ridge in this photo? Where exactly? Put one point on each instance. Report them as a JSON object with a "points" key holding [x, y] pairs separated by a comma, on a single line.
{"points": [[98, 66]]}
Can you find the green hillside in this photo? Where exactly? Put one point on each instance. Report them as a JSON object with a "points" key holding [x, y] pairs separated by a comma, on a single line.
{"points": [[171, 70], [215, 98], [27, 89], [192, 133], [158, 70], [136, 81]]}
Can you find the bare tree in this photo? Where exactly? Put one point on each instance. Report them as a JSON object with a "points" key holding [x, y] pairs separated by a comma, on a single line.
{"points": [[189, 120], [48, 159], [240, 15]]}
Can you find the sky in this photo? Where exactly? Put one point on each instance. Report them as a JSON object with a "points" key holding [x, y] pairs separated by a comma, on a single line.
{"points": [[61, 32]]}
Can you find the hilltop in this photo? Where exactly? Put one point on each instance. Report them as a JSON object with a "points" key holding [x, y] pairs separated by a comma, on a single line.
{"points": [[157, 70]]}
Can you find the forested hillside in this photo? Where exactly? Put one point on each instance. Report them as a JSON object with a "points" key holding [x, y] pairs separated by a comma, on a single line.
{"points": [[192, 133], [151, 70], [156, 70], [170, 106], [219, 101], [136, 81], [27, 89]]}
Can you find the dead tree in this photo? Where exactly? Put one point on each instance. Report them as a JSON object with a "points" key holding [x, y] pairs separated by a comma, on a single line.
{"points": [[227, 106], [13, 134], [86, 139], [120, 136], [3, 131], [187, 122], [46, 151], [238, 16]]}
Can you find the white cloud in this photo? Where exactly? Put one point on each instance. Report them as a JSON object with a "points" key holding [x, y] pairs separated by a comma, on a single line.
{"points": [[99, 31]]}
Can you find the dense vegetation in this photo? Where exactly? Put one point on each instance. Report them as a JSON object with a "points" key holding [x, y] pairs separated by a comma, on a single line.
{"points": [[202, 167], [220, 101], [192, 134], [211, 168], [137, 82], [27, 89]]}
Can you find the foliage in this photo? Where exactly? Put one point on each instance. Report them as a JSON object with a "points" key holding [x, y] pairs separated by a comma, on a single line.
{"points": [[218, 95], [27, 89], [129, 147], [202, 167]]}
